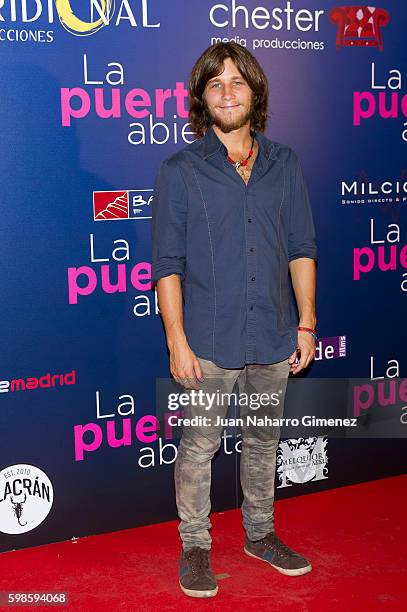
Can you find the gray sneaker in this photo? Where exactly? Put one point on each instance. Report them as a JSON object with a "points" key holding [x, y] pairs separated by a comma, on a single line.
{"points": [[196, 577], [272, 550]]}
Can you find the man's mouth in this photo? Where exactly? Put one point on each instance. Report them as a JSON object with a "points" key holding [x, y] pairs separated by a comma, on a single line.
{"points": [[229, 107]]}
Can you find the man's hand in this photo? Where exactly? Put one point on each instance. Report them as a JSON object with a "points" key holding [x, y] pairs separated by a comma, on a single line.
{"points": [[184, 366], [306, 350]]}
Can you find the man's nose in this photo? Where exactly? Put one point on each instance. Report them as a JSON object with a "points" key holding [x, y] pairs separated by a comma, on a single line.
{"points": [[227, 91]]}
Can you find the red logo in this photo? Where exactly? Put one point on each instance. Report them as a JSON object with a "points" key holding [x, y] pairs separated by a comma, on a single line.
{"points": [[359, 26], [110, 205]]}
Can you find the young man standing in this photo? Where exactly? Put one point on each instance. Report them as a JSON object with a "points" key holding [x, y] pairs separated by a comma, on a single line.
{"points": [[231, 224]]}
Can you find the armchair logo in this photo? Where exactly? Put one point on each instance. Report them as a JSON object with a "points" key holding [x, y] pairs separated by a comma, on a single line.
{"points": [[359, 26]]}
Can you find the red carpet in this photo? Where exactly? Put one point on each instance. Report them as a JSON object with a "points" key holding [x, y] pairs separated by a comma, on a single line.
{"points": [[354, 537]]}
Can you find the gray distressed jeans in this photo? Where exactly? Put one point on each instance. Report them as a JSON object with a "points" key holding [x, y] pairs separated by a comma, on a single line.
{"points": [[200, 441]]}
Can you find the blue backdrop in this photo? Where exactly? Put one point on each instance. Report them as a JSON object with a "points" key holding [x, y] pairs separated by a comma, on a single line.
{"points": [[90, 105]]}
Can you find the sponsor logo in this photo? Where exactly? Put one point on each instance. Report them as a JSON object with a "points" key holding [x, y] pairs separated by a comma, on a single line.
{"points": [[26, 498], [135, 14], [359, 26], [77, 17], [330, 348], [362, 190], [237, 15], [114, 205], [43, 382], [286, 20], [301, 460]]}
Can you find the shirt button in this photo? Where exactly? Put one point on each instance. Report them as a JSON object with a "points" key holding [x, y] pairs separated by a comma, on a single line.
{"points": [[249, 220], [251, 307], [253, 278], [251, 249]]}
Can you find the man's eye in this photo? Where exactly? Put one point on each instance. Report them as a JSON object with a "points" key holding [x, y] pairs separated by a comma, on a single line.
{"points": [[220, 84]]}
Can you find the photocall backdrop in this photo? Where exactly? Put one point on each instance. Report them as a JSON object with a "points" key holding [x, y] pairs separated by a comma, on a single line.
{"points": [[93, 98]]}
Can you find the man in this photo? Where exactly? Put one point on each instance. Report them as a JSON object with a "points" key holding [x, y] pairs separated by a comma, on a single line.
{"points": [[231, 224]]}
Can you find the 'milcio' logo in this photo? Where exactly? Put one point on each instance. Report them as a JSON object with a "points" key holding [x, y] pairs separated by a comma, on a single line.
{"points": [[114, 205], [359, 26]]}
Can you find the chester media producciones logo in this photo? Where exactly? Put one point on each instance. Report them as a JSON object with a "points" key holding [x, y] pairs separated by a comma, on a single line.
{"points": [[26, 498]]}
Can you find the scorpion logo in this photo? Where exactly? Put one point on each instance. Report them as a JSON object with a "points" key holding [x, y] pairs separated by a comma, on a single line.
{"points": [[18, 509]]}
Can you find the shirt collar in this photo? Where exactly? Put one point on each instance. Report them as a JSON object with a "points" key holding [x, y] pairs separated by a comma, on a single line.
{"points": [[212, 144]]}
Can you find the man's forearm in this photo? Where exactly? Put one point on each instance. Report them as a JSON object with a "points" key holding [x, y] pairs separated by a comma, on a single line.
{"points": [[303, 276], [169, 294]]}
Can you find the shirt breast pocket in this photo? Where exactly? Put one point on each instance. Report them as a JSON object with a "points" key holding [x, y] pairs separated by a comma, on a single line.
{"points": [[271, 194]]}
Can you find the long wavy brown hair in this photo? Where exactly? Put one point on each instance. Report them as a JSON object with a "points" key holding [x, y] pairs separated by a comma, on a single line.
{"points": [[210, 65]]}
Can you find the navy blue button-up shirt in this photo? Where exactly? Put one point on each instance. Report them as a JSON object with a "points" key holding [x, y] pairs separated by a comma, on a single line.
{"points": [[231, 244]]}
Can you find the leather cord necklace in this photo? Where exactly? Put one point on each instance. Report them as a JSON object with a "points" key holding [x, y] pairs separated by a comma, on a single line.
{"points": [[243, 162]]}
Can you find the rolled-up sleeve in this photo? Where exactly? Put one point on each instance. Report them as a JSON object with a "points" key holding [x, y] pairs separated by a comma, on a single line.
{"points": [[169, 219], [301, 236]]}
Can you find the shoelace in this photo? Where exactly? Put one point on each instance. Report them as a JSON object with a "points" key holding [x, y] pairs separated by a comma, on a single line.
{"points": [[199, 559]]}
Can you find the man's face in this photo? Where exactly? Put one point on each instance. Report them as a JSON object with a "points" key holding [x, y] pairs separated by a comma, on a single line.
{"points": [[229, 99]]}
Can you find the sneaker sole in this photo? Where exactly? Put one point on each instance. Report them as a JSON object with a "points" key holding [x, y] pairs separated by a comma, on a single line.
{"points": [[199, 594], [287, 572]]}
